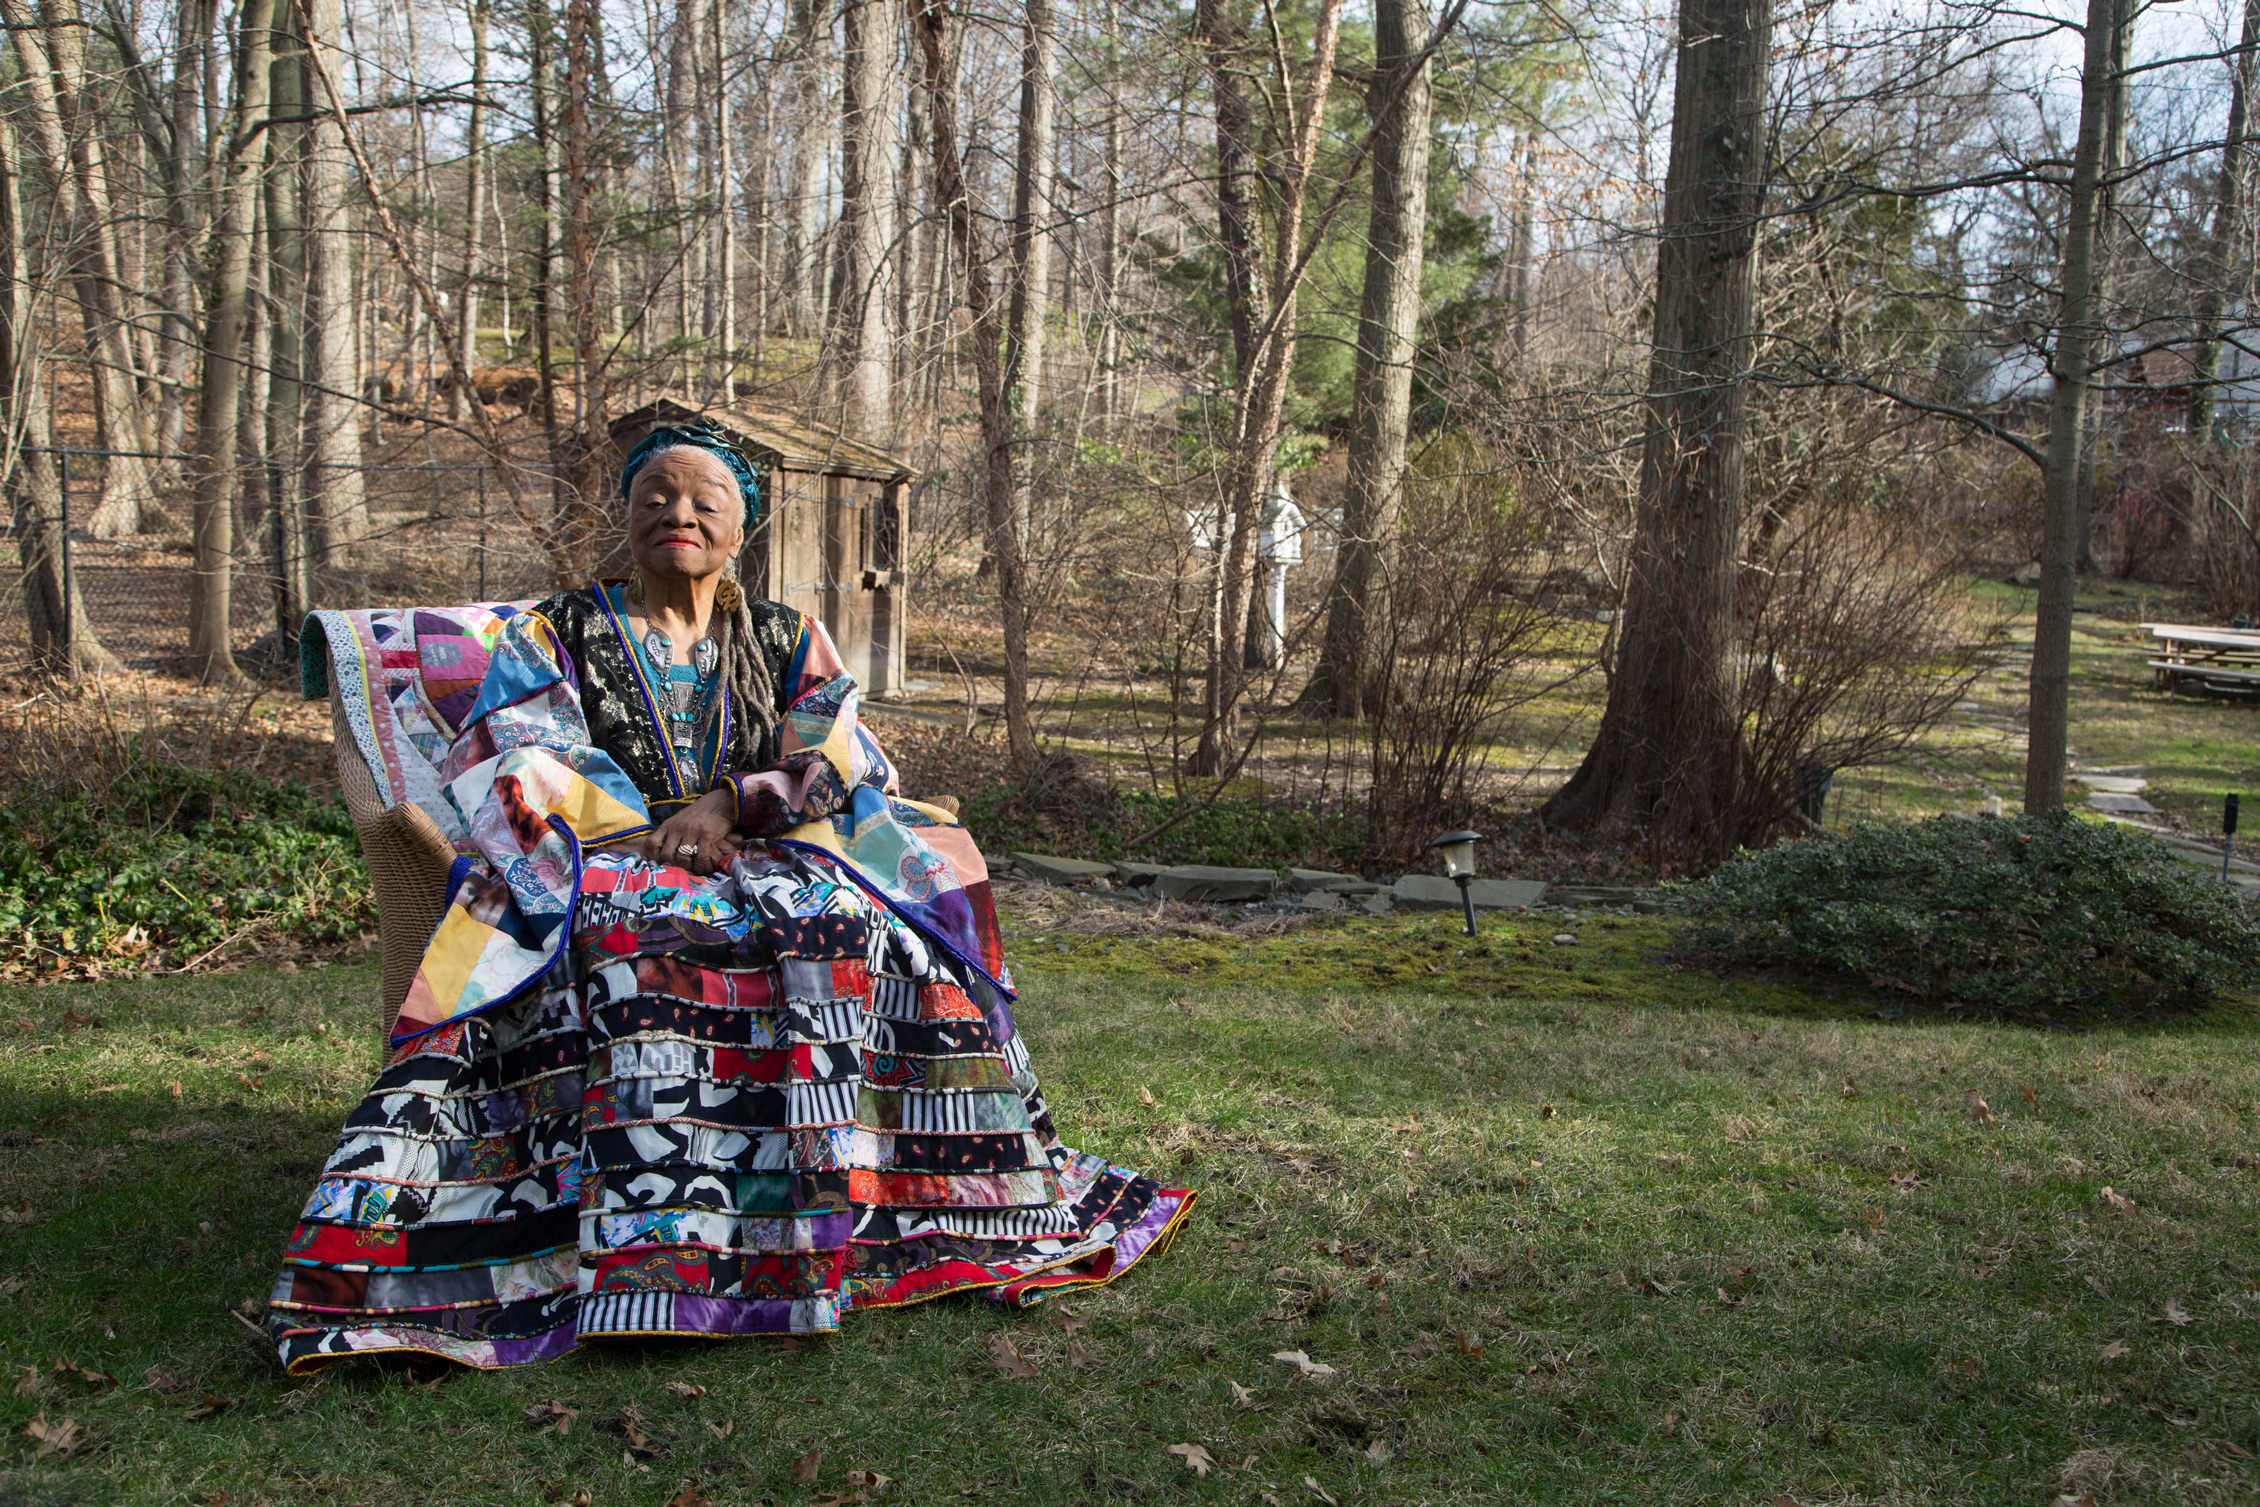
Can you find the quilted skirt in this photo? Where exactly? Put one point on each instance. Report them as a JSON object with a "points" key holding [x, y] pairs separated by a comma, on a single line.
{"points": [[739, 1105]]}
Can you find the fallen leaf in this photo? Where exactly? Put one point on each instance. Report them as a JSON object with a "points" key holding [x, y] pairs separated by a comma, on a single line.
{"points": [[2113, 1198], [1468, 1344], [690, 1496], [2176, 1315], [2113, 1351], [805, 1468], [95, 1379], [1241, 1395], [2032, 1100], [1197, 1460], [2084, 1499], [724, 1429], [1378, 1453], [1422, 1348], [211, 1406], [1078, 1357], [1006, 1357], [1304, 1363], [686, 1390], [158, 1379], [30, 1382], [1145, 1096], [1323, 1494], [1672, 1417], [1069, 1322], [1979, 1110], [555, 1416], [55, 1438], [1546, 1112]]}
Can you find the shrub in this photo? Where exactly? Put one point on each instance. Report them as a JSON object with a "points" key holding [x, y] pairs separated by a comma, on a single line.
{"points": [[167, 863], [2004, 915]]}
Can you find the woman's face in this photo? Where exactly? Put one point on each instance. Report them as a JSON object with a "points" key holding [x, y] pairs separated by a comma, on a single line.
{"points": [[686, 518]]}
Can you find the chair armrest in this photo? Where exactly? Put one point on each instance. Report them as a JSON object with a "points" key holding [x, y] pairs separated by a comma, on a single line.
{"points": [[409, 859]]}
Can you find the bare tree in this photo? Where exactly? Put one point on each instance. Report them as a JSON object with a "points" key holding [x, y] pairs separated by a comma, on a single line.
{"points": [[336, 491], [2078, 338], [933, 27], [2228, 257], [62, 639], [1388, 321], [862, 291], [474, 214], [219, 392], [67, 137], [1032, 212]]}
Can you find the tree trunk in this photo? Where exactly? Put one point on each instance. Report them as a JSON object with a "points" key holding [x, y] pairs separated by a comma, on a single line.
{"points": [[2078, 334], [220, 385], [930, 29], [591, 434], [803, 269], [1261, 399], [2225, 258], [1032, 212], [335, 488], [62, 640], [1110, 226], [2092, 439], [184, 196], [68, 146], [1358, 607], [1224, 37], [284, 535], [863, 297], [474, 218], [725, 219], [1666, 757]]}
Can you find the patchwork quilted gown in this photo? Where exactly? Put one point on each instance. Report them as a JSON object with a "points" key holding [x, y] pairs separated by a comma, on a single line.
{"points": [[623, 1100]]}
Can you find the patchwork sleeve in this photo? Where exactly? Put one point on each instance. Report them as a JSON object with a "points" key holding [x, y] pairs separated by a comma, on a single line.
{"points": [[825, 752]]}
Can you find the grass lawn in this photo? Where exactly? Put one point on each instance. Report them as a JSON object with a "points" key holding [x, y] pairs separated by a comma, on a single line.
{"points": [[1564, 1224]]}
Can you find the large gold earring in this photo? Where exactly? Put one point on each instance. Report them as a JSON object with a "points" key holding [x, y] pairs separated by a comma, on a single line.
{"points": [[727, 596], [634, 588]]}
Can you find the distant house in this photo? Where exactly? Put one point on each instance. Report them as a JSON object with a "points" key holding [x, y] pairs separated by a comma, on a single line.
{"points": [[2149, 391], [833, 535]]}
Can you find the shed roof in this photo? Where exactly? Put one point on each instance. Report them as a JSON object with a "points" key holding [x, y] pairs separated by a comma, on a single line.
{"points": [[769, 434]]}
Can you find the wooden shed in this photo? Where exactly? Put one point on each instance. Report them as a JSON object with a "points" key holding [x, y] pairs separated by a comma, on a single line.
{"points": [[833, 534]]}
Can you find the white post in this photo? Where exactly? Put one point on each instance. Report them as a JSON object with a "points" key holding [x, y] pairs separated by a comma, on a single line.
{"points": [[1278, 611]]}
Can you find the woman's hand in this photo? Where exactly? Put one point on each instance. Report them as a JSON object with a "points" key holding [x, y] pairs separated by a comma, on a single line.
{"points": [[704, 826]]}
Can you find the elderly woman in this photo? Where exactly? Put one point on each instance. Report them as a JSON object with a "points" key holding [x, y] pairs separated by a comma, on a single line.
{"points": [[714, 1038]]}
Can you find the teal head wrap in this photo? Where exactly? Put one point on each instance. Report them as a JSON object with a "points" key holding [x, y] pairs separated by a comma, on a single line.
{"points": [[700, 437]]}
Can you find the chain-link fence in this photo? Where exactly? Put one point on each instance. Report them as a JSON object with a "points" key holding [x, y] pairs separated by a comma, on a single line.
{"points": [[436, 530]]}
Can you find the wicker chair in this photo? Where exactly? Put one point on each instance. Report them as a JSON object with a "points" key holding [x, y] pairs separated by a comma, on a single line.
{"points": [[408, 858]]}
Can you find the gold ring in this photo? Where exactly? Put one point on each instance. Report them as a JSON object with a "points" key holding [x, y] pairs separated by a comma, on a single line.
{"points": [[686, 850]]}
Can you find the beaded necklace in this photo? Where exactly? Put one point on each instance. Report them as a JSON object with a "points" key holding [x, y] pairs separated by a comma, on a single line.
{"points": [[685, 687]]}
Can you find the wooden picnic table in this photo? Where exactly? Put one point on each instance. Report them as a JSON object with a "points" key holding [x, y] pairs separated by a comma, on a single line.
{"points": [[2219, 658]]}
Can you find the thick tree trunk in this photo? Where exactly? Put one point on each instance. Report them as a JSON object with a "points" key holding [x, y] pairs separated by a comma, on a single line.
{"points": [[930, 29], [62, 640], [1358, 606], [2228, 265], [1224, 38], [863, 294], [2078, 337], [812, 152], [220, 385], [335, 488], [1032, 211], [1666, 757]]}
